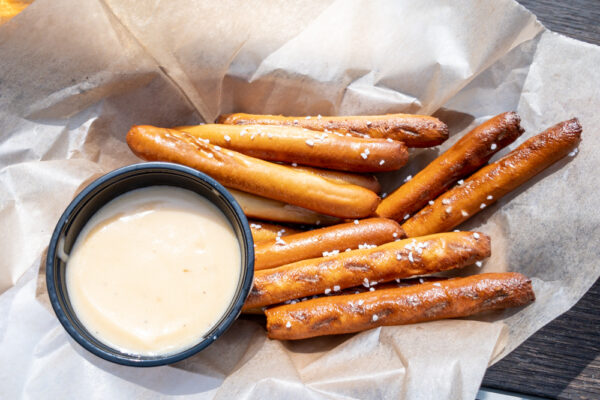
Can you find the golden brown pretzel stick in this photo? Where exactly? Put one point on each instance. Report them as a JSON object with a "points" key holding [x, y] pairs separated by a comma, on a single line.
{"points": [[252, 175], [290, 144], [398, 283], [492, 182], [401, 259], [321, 242], [264, 231], [453, 298], [414, 130], [273, 210], [468, 154], [367, 181]]}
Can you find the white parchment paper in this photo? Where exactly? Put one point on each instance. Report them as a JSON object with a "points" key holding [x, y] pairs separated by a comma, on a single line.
{"points": [[74, 75]]}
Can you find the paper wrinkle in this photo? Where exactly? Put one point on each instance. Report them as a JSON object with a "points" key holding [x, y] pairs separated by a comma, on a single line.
{"points": [[70, 91]]}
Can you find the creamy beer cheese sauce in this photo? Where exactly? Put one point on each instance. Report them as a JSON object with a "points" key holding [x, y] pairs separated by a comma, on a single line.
{"points": [[154, 270]]}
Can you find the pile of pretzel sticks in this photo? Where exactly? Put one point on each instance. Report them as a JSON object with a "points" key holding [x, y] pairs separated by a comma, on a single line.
{"points": [[367, 261]]}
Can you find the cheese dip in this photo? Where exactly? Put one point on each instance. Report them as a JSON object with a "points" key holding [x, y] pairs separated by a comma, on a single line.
{"points": [[154, 270]]}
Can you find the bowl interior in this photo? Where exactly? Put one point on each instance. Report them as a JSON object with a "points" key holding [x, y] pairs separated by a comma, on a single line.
{"points": [[103, 190]]}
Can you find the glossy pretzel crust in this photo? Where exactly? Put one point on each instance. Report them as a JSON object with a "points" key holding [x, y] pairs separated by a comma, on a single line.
{"points": [[492, 182], [319, 149], [466, 156], [265, 231], [401, 259], [413, 130], [453, 298], [252, 175], [311, 244]]}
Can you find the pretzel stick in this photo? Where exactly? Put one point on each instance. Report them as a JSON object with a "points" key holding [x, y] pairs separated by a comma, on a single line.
{"points": [[414, 130], [453, 298], [492, 182], [466, 156]]}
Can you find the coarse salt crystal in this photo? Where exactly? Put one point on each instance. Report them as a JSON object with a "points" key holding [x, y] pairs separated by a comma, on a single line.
{"points": [[375, 317], [355, 222], [381, 162], [389, 140], [482, 206], [464, 213], [253, 136], [431, 202], [227, 138], [574, 152], [408, 178], [243, 132], [437, 284], [348, 249], [371, 289], [395, 234], [410, 257], [307, 117], [456, 230], [319, 116], [446, 201], [479, 263], [361, 302], [369, 123], [493, 146], [421, 280], [449, 210], [327, 291], [407, 216], [218, 148], [288, 324], [294, 164], [490, 197], [384, 195], [318, 222], [399, 256], [279, 241], [336, 288], [310, 142], [476, 235], [255, 226], [210, 155], [296, 121], [461, 182]]}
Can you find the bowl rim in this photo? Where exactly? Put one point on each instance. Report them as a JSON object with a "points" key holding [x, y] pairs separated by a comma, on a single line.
{"points": [[246, 244]]}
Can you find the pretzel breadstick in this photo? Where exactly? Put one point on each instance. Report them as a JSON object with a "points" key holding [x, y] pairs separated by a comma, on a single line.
{"points": [[290, 144], [453, 298], [414, 130], [319, 242], [400, 259], [273, 210], [360, 289], [252, 175], [264, 231], [468, 154], [367, 181], [492, 182]]}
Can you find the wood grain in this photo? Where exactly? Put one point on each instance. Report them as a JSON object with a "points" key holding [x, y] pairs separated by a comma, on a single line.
{"points": [[562, 360]]}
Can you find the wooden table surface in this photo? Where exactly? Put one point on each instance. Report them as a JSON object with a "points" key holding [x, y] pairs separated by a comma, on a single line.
{"points": [[562, 360]]}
